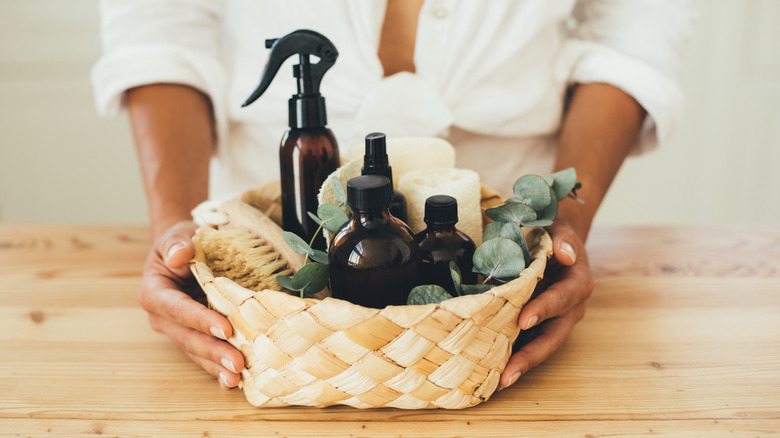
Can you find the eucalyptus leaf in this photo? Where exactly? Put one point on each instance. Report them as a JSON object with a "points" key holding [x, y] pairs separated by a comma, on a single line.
{"points": [[474, 289], [319, 256], [512, 231], [500, 258], [285, 282], [551, 211], [545, 217], [296, 243], [538, 223], [563, 182], [427, 294], [511, 211], [311, 278], [332, 216], [456, 277], [338, 190], [492, 230], [314, 217], [533, 191]]}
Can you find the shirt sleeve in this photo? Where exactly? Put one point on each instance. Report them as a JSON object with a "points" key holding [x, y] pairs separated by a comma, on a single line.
{"points": [[637, 46], [159, 41]]}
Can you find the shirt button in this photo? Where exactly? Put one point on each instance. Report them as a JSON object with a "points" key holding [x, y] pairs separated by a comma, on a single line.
{"points": [[440, 12]]}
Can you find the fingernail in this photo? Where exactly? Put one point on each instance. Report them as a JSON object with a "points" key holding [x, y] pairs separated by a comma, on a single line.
{"points": [[567, 249], [514, 378], [174, 249], [216, 331], [531, 322], [223, 380], [227, 363]]}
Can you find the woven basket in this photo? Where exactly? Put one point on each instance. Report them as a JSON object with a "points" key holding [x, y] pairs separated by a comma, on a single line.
{"points": [[324, 352]]}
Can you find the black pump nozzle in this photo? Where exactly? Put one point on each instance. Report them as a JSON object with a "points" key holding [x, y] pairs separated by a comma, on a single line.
{"points": [[375, 161], [307, 108]]}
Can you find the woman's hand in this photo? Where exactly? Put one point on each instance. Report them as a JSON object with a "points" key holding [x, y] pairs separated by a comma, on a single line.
{"points": [[557, 308], [176, 306]]}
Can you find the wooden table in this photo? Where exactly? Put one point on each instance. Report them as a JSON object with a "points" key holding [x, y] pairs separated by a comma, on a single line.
{"points": [[681, 338]]}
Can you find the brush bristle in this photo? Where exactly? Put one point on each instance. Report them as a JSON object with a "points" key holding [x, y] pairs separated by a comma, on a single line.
{"points": [[244, 258]]}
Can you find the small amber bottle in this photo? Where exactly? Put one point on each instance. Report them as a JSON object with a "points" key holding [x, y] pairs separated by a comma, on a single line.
{"points": [[374, 259], [441, 243]]}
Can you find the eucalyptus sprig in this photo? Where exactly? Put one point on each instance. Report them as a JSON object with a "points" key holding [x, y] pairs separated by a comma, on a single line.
{"points": [[315, 272], [504, 254]]}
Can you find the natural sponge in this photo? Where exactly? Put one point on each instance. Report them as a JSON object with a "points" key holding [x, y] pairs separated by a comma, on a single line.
{"points": [[462, 184], [409, 154]]}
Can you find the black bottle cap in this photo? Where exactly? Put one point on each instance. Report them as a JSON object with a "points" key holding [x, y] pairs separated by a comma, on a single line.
{"points": [[369, 192], [441, 210], [375, 161]]}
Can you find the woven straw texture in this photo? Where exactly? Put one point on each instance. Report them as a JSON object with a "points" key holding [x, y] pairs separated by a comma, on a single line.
{"points": [[321, 352]]}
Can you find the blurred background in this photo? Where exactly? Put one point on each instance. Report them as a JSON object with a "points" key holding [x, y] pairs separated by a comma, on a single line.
{"points": [[60, 163]]}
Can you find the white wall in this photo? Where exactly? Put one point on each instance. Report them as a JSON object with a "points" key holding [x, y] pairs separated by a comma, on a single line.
{"points": [[60, 163]]}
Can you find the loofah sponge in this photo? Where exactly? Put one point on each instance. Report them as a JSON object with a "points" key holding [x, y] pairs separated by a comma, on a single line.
{"points": [[462, 184], [409, 154]]}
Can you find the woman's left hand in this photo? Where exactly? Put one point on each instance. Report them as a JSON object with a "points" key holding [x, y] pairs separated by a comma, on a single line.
{"points": [[557, 309]]}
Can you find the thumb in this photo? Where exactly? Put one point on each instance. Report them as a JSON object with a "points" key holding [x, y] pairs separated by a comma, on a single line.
{"points": [[177, 248], [564, 244]]}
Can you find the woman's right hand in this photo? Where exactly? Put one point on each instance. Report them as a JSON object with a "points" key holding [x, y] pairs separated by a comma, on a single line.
{"points": [[177, 306]]}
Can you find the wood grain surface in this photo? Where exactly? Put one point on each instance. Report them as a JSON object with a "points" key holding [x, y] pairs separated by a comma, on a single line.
{"points": [[681, 338]]}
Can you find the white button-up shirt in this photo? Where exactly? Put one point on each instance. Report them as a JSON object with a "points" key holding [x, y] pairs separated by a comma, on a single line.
{"points": [[491, 76]]}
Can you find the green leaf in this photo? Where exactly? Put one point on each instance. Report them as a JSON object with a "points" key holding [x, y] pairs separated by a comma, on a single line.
{"points": [[492, 230], [500, 258], [456, 277], [511, 211], [338, 190], [427, 294], [296, 243], [563, 182], [533, 191], [314, 217], [319, 256], [512, 231], [285, 282], [311, 278], [473, 289], [332, 216], [551, 211]]}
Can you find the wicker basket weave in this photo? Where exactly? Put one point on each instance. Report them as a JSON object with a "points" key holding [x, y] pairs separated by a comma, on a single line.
{"points": [[315, 352]]}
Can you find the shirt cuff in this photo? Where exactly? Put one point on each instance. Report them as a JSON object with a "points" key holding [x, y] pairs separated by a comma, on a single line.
{"points": [[660, 96], [117, 72]]}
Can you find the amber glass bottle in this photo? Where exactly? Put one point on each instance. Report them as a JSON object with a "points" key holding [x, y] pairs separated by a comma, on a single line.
{"points": [[374, 259], [441, 243], [307, 156], [309, 152]]}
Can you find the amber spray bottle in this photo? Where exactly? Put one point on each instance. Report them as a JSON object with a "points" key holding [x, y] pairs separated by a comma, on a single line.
{"points": [[375, 162], [440, 243], [374, 259], [309, 152]]}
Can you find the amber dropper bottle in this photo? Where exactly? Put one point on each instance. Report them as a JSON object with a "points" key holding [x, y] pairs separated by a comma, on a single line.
{"points": [[375, 162], [309, 152], [441, 243], [374, 259]]}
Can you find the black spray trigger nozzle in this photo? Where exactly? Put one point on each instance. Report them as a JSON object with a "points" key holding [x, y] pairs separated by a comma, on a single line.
{"points": [[302, 43]]}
